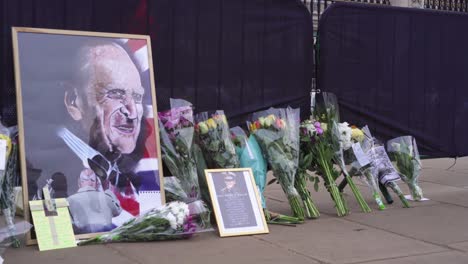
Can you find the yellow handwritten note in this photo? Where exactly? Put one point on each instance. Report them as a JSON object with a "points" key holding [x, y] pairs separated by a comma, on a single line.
{"points": [[53, 229]]}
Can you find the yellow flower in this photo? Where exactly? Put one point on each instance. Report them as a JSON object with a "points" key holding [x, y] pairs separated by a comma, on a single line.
{"points": [[211, 123], [252, 127], [262, 121], [357, 134], [324, 126], [203, 128]]}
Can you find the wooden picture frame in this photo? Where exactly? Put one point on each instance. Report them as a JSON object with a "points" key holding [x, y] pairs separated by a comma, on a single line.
{"points": [[87, 120], [236, 202]]}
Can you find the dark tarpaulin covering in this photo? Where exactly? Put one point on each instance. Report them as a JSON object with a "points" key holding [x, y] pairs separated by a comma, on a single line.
{"points": [[236, 55], [401, 71]]}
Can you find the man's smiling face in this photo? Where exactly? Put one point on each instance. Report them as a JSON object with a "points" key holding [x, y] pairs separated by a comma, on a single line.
{"points": [[115, 93]]}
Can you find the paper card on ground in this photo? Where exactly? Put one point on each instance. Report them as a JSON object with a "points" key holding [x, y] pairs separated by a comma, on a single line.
{"points": [[53, 229], [410, 198]]}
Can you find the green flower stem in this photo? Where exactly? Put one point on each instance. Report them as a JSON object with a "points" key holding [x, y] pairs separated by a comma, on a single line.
{"points": [[357, 194], [398, 191], [341, 209], [267, 214], [296, 206], [311, 210], [283, 219], [375, 190], [378, 200]]}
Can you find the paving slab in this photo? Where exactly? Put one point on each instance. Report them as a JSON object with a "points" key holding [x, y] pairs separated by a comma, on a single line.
{"points": [[441, 224], [78, 255], [446, 163], [444, 177], [460, 246], [452, 257], [209, 248], [333, 240], [445, 194]]}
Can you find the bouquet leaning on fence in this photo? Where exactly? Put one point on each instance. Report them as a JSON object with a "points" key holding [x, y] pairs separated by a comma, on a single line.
{"points": [[404, 153], [308, 131], [170, 222], [214, 139], [177, 133], [382, 168], [358, 157], [250, 156], [342, 142], [277, 131], [317, 143]]}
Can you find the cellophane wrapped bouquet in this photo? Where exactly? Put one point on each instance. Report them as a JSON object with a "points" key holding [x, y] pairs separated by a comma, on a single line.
{"points": [[214, 139], [358, 158], [250, 156], [322, 146], [342, 142], [176, 128], [383, 169], [309, 130], [404, 153], [172, 221], [8, 180], [277, 131]]}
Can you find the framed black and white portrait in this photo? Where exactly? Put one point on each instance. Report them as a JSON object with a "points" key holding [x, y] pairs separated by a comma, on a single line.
{"points": [[236, 202]]}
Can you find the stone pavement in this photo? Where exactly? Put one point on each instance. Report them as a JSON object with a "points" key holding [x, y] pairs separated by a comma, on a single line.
{"points": [[435, 231]]}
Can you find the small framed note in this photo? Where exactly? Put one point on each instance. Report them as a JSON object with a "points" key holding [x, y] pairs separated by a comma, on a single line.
{"points": [[236, 202]]}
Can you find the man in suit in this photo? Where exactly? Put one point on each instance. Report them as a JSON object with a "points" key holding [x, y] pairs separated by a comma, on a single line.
{"points": [[230, 183]]}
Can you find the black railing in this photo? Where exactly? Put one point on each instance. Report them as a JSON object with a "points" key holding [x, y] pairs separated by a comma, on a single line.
{"points": [[448, 5], [316, 7]]}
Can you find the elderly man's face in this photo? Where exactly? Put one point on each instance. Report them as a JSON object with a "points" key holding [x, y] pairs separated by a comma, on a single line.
{"points": [[114, 91]]}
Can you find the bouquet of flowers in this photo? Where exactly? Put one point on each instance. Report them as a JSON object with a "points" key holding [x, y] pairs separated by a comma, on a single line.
{"points": [[316, 142], [404, 152], [277, 131], [342, 142], [324, 107], [172, 221], [214, 139], [201, 167], [8, 180], [382, 168], [361, 163], [308, 131], [177, 132], [250, 156]]}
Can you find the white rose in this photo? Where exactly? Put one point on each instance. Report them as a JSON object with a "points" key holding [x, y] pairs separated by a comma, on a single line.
{"points": [[172, 220]]}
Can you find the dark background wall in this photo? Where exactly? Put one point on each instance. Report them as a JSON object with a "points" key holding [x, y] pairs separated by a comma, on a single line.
{"points": [[236, 55], [401, 71]]}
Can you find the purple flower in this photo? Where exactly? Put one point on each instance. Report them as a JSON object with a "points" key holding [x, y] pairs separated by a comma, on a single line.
{"points": [[318, 128], [189, 227]]}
